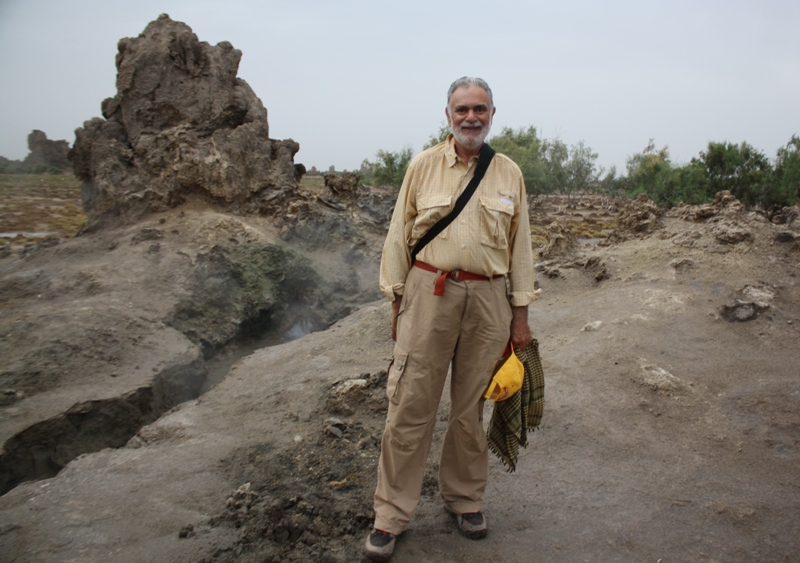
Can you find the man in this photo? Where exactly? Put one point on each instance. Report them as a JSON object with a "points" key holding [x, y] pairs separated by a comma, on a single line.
{"points": [[468, 326]]}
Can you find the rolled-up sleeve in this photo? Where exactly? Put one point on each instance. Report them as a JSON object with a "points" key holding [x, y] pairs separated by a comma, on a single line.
{"points": [[396, 257], [521, 273]]}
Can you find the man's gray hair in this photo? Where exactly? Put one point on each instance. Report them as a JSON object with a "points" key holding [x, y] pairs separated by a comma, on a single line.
{"points": [[468, 81]]}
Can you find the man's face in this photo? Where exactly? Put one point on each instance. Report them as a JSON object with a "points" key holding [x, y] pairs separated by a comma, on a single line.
{"points": [[470, 116]]}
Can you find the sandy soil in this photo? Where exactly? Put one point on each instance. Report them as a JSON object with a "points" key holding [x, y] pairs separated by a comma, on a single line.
{"points": [[671, 433]]}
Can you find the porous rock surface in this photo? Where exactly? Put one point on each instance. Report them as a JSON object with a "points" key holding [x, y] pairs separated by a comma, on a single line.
{"points": [[560, 240], [182, 124], [640, 215]]}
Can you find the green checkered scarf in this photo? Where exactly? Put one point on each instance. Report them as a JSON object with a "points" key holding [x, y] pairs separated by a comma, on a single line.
{"points": [[512, 418]]}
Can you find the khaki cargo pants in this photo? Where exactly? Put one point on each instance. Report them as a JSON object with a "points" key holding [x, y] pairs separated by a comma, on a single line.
{"points": [[469, 326]]}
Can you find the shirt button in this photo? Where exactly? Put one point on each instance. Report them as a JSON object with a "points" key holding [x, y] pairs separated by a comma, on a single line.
{"points": [[463, 246], [463, 222]]}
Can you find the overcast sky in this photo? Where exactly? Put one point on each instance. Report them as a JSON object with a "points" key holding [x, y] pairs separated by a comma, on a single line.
{"points": [[346, 78]]}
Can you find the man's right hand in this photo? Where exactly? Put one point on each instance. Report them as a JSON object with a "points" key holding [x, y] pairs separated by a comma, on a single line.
{"points": [[395, 311]]}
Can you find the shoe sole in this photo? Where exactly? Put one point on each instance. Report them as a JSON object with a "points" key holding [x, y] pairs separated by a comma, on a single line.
{"points": [[476, 535]]}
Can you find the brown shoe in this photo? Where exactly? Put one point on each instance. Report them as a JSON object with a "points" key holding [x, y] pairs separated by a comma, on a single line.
{"points": [[379, 545], [472, 525]]}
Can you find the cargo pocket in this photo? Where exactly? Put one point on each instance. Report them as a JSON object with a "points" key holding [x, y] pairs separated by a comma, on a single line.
{"points": [[496, 216], [396, 370], [429, 210]]}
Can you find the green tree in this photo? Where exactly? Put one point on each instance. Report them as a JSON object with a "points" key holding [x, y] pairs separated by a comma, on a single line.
{"points": [[389, 169], [523, 146], [582, 173], [610, 184], [555, 160], [548, 166], [643, 168], [786, 178], [738, 168], [689, 185], [651, 172]]}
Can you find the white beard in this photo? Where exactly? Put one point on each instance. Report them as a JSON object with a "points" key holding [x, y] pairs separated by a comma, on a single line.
{"points": [[470, 143]]}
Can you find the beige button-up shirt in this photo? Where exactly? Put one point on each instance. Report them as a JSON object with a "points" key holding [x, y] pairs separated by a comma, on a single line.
{"points": [[490, 237]]}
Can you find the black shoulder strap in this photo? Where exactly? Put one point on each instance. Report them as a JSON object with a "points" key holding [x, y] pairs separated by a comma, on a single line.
{"points": [[484, 158]]}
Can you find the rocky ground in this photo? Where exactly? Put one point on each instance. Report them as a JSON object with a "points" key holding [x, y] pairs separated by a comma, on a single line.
{"points": [[144, 418], [671, 431]]}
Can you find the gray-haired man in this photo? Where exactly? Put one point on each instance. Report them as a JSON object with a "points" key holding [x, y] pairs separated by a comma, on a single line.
{"points": [[464, 321]]}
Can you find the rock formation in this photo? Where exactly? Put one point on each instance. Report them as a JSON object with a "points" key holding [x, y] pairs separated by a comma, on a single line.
{"points": [[44, 156], [44, 151], [181, 125], [560, 240], [639, 216], [342, 184], [725, 205]]}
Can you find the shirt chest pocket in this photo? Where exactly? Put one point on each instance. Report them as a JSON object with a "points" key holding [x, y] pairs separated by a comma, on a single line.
{"points": [[430, 209], [496, 214]]}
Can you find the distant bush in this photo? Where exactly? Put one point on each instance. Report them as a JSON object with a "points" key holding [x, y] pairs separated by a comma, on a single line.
{"points": [[785, 188], [16, 167], [550, 166], [739, 168], [12, 167], [389, 169]]}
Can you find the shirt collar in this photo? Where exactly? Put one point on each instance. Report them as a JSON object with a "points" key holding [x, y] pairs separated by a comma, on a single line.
{"points": [[450, 152]]}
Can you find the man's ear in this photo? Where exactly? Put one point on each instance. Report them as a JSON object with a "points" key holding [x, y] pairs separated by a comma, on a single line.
{"points": [[447, 115]]}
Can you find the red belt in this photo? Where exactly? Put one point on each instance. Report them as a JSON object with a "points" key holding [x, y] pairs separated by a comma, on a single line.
{"points": [[457, 275]]}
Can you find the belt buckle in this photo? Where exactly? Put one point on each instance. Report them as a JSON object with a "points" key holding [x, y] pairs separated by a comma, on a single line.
{"points": [[456, 275]]}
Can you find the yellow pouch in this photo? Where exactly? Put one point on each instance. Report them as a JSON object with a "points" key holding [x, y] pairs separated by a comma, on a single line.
{"points": [[508, 377]]}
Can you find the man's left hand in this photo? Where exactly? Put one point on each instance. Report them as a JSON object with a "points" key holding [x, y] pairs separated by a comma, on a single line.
{"points": [[520, 330]]}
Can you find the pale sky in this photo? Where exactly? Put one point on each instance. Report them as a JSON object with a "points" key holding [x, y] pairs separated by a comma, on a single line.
{"points": [[345, 78]]}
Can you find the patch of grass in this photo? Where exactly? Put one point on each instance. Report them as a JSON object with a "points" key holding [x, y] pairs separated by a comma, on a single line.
{"points": [[592, 229], [538, 235], [312, 182], [34, 207], [587, 228]]}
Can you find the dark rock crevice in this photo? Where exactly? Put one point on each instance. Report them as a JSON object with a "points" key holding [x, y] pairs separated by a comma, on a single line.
{"points": [[43, 449]]}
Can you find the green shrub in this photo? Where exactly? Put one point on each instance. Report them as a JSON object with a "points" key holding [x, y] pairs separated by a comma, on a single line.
{"points": [[389, 169]]}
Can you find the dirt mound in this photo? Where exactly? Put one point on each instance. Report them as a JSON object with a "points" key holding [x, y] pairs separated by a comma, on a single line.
{"points": [[561, 241], [181, 125], [725, 204], [309, 500], [639, 216]]}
